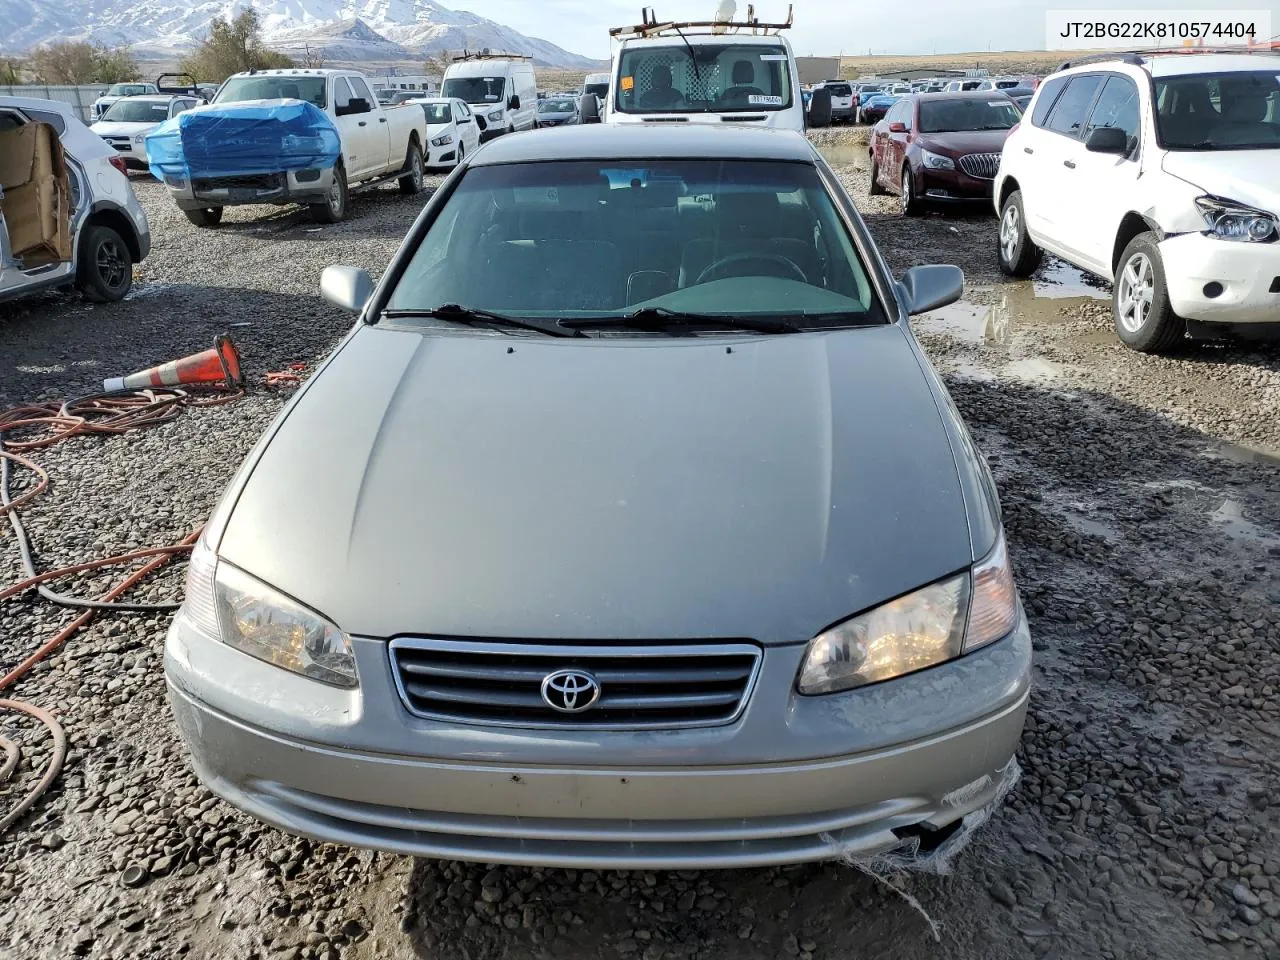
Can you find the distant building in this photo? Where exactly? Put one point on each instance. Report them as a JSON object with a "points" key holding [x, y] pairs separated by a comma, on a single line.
{"points": [[424, 84]]}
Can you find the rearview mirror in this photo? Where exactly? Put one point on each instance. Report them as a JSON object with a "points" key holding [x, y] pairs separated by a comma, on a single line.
{"points": [[931, 287], [353, 106], [513, 103], [589, 108], [1107, 140], [346, 287]]}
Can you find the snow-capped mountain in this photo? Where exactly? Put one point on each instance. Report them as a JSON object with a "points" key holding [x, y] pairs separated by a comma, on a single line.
{"points": [[419, 26]]}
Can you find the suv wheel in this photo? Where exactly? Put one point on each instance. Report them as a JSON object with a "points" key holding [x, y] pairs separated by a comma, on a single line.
{"points": [[104, 268], [1017, 253], [1140, 299]]}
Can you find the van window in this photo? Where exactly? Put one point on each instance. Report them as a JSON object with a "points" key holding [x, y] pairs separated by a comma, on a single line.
{"points": [[1073, 106], [475, 89], [704, 78]]}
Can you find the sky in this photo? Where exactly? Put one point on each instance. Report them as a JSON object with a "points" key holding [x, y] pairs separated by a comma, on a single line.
{"points": [[828, 27]]}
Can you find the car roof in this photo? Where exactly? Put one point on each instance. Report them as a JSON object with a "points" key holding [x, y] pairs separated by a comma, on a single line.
{"points": [[34, 103], [960, 95], [706, 39], [160, 97], [649, 142], [1177, 63]]}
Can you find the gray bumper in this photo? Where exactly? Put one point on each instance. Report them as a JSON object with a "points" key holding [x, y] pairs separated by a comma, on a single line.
{"points": [[295, 186], [785, 783]]}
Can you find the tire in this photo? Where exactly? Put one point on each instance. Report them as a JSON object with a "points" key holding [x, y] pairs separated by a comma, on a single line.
{"points": [[1140, 306], [104, 265], [911, 205], [334, 209], [875, 190], [411, 182], [1017, 252], [205, 216]]}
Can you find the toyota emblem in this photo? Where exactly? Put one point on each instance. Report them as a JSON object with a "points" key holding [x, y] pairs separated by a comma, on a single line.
{"points": [[570, 691]]}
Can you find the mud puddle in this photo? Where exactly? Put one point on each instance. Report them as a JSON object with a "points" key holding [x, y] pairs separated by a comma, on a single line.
{"points": [[1229, 518], [1245, 453], [1058, 280]]}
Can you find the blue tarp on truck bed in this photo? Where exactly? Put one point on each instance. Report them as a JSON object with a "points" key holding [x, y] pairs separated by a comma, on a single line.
{"points": [[234, 139]]}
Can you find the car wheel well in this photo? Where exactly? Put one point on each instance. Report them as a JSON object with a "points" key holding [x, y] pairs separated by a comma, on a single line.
{"points": [[1007, 188], [413, 139], [121, 224], [1130, 226]]}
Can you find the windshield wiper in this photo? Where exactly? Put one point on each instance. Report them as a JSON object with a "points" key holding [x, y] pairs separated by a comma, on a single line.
{"points": [[661, 318], [456, 313]]}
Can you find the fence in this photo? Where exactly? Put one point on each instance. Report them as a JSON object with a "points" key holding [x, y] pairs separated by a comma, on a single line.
{"points": [[81, 98]]}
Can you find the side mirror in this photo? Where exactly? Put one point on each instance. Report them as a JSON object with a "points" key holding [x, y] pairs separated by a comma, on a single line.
{"points": [[346, 287], [589, 108], [514, 102], [897, 127], [1107, 140], [353, 106], [928, 288]]}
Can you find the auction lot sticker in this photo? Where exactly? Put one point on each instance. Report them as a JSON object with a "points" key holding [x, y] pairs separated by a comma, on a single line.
{"points": [[760, 100]]}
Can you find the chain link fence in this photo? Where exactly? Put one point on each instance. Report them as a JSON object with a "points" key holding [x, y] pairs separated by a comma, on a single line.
{"points": [[81, 98]]}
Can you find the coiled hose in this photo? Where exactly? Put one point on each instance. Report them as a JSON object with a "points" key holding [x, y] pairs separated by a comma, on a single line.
{"points": [[42, 426]]}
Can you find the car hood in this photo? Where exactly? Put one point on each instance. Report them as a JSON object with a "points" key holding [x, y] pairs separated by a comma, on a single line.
{"points": [[959, 143], [609, 489], [121, 128], [1246, 176]]}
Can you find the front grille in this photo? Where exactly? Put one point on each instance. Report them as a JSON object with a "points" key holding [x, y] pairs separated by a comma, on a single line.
{"points": [[981, 165], [252, 181], [667, 685]]}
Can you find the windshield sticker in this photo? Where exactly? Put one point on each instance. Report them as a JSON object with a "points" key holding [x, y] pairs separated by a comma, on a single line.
{"points": [[628, 83], [765, 57], [995, 103], [762, 101]]}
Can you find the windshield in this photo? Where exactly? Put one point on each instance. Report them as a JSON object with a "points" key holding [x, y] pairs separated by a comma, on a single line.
{"points": [[600, 90], [437, 112], [129, 89], [239, 89], [947, 116], [572, 239], [1219, 111], [475, 89], [704, 78], [556, 106], [137, 111], [840, 89]]}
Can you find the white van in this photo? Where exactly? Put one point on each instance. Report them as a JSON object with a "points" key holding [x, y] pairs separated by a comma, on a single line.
{"points": [[711, 72], [500, 89]]}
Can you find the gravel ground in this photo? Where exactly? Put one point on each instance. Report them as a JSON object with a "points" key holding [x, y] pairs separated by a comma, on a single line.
{"points": [[1142, 502]]}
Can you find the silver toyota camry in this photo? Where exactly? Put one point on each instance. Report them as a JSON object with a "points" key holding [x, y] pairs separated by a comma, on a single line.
{"points": [[628, 528]]}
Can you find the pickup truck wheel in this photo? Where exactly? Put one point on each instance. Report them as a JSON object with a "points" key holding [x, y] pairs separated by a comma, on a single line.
{"points": [[334, 208], [104, 268], [205, 216], [411, 182], [1140, 306]]}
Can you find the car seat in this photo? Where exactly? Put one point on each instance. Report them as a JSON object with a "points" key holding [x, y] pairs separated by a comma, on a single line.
{"points": [[748, 223], [744, 78]]}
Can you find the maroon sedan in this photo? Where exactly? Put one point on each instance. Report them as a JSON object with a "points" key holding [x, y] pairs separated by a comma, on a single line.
{"points": [[941, 147]]}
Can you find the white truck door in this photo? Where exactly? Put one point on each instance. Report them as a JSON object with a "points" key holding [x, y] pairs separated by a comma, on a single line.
{"points": [[377, 133], [351, 127]]}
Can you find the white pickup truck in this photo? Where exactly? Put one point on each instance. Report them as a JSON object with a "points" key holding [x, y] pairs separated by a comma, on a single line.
{"points": [[379, 144]]}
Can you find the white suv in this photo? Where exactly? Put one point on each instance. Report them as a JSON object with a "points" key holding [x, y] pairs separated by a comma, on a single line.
{"points": [[1158, 172]]}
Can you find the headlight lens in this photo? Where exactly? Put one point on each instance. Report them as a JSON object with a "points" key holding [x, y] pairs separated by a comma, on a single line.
{"points": [[246, 614], [1235, 221], [495, 115], [936, 161], [443, 140], [927, 627], [139, 139]]}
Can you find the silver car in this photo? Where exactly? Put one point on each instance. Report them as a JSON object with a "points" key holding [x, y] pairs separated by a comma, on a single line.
{"points": [[628, 528]]}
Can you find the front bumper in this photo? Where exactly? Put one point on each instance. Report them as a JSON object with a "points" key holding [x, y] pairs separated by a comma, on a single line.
{"points": [[294, 186], [491, 132], [1249, 274], [446, 156], [952, 186], [793, 779]]}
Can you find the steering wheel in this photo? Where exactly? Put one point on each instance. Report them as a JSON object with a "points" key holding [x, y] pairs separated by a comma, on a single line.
{"points": [[773, 265]]}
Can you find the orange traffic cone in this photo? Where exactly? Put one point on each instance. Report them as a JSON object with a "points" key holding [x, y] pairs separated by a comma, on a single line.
{"points": [[221, 365]]}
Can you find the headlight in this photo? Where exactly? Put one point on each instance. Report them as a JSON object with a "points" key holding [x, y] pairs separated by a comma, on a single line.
{"points": [[1235, 221], [138, 140], [930, 626], [936, 161], [244, 613], [443, 140], [495, 115]]}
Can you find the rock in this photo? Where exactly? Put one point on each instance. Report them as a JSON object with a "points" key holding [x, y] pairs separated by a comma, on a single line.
{"points": [[52, 841], [1002, 893], [1243, 895]]}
